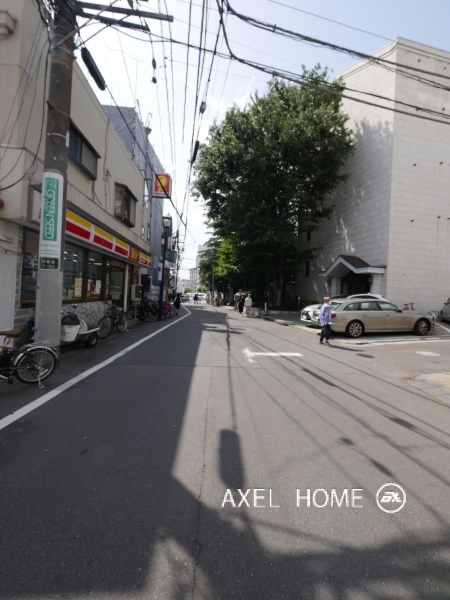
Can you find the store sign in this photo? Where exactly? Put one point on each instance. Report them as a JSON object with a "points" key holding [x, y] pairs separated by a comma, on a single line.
{"points": [[83, 229], [162, 185], [51, 222]]}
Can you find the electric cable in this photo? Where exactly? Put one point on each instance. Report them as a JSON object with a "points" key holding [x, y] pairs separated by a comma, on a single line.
{"points": [[303, 81], [330, 20], [143, 152], [187, 69], [391, 65]]}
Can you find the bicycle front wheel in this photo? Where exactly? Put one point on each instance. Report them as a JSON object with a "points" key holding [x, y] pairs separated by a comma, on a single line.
{"points": [[122, 322], [105, 327], [35, 365]]}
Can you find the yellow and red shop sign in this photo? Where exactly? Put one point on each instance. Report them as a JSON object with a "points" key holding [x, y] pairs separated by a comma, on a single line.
{"points": [[82, 229], [162, 185]]}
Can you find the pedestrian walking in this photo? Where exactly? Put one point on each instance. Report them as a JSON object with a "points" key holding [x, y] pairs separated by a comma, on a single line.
{"points": [[176, 304], [241, 305], [196, 299], [248, 305], [324, 319]]}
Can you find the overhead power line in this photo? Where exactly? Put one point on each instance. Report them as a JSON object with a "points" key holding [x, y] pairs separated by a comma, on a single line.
{"points": [[133, 135], [329, 90], [392, 65], [306, 12]]}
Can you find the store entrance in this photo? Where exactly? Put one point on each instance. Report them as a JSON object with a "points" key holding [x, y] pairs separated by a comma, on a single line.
{"points": [[354, 283]]}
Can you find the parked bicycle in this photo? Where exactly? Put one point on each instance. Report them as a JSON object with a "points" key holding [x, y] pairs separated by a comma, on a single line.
{"points": [[114, 317], [31, 363]]}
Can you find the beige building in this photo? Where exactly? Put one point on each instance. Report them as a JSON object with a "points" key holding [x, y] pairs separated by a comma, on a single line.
{"points": [[390, 230], [108, 212]]}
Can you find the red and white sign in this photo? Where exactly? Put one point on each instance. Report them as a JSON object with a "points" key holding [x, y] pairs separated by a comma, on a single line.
{"points": [[162, 185]]}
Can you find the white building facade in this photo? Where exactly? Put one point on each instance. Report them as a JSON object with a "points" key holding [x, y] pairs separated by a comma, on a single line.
{"points": [[390, 229]]}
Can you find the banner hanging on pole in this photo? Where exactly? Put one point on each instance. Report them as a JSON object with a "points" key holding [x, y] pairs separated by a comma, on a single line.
{"points": [[162, 185], [51, 222]]}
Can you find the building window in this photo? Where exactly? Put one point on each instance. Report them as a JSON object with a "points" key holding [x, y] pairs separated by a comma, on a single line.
{"points": [[125, 205], [307, 268], [73, 273], [308, 236], [82, 153], [29, 267], [94, 276]]}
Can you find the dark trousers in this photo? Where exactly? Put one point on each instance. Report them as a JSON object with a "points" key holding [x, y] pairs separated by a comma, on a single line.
{"points": [[326, 332]]}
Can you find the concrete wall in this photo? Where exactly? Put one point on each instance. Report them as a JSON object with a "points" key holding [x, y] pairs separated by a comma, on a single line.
{"points": [[419, 241], [359, 224], [387, 212]]}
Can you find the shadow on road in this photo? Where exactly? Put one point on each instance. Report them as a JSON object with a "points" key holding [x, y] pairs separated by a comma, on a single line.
{"points": [[90, 506]]}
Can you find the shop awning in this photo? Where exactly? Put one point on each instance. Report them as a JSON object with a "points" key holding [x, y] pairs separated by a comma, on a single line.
{"points": [[347, 262]]}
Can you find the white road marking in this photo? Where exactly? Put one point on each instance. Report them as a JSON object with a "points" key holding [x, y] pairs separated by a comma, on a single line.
{"points": [[433, 341], [427, 353], [277, 354], [442, 327], [65, 386], [249, 355]]}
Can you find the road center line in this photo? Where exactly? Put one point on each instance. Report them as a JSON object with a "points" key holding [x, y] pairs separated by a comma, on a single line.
{"points": [[65, 386]]}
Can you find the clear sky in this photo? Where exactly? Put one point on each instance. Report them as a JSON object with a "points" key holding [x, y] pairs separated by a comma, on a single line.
{"points": [[126, 65]]}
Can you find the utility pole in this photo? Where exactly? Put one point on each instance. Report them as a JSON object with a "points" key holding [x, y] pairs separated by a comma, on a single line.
{"points": [[213, 254], [49, 289], [161, 285]]}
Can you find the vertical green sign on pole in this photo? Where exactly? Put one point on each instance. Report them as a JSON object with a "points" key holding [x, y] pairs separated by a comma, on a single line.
{"points": [[51, 222]]}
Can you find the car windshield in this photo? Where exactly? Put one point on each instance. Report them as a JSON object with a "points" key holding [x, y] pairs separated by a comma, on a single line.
{"points": [[334, 305]]}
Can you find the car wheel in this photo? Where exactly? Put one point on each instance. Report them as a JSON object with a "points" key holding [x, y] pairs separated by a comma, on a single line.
{"points": [[354, 329], [422, 327]]}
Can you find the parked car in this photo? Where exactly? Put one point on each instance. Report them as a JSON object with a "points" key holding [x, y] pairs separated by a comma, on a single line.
{"points": [[308, 310], [354, 317], [184, 298], [445, 311]]}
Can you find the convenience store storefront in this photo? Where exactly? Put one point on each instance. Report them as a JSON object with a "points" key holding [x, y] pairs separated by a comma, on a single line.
{"points": [[98, 265]]}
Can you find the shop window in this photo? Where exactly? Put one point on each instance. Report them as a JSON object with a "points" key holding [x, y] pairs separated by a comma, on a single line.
{"points": [[125, 205], [82, 153], [115, 281], [73, 273], [29, 268], [94, 276]]}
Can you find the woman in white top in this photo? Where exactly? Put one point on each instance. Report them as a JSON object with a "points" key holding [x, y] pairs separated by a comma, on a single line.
{"points": [[248, 305]]}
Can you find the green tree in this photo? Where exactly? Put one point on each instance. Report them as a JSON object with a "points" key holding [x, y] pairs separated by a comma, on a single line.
{"points": [[265, 174]]}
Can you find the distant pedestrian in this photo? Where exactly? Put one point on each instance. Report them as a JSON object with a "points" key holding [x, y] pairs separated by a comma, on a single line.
{"points": [[177, 303], [248, 305], [196, 299], [324, 319], [241, 304]]}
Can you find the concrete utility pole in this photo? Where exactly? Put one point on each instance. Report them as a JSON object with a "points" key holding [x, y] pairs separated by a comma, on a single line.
{"points": [[213, 255], [54, 188]]}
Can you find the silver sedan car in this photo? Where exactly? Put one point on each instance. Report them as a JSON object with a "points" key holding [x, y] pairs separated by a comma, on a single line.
{"points": [[356, 317]]}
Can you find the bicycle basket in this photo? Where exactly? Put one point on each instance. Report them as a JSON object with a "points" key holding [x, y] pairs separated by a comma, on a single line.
{"points": [[5, 356]]}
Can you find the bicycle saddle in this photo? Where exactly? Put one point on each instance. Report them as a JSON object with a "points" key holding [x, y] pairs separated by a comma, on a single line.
{"points": [[11, 333]]}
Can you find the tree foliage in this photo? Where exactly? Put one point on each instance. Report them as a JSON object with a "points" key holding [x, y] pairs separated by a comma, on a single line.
{"points": [[265, 174]]}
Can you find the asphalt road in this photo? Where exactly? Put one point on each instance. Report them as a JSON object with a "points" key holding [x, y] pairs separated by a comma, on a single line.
{"points": [[115, 488]]}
